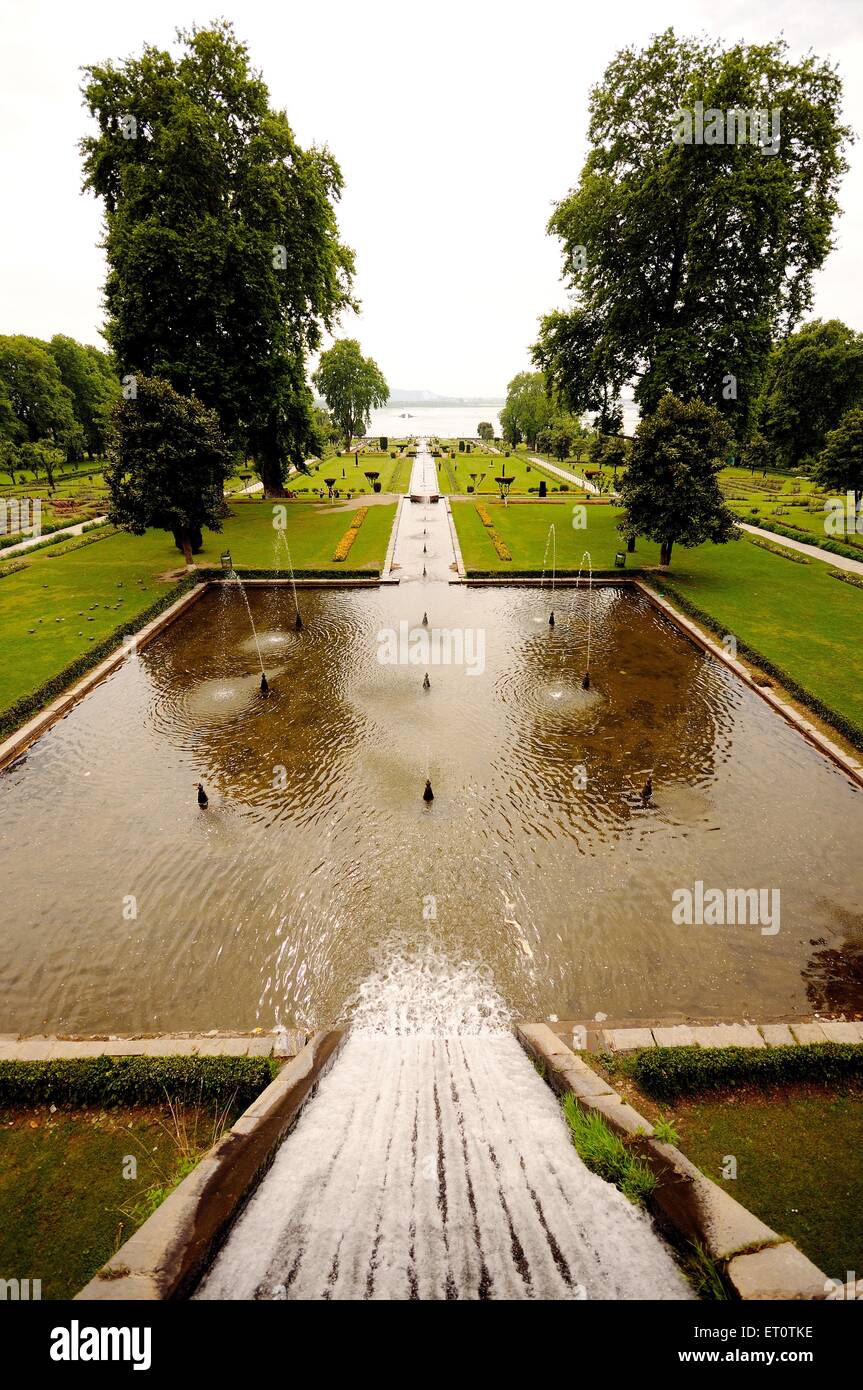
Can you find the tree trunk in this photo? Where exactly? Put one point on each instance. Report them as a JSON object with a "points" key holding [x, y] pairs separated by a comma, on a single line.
{"points": [[272, 477], [630, 545], [186, 544], [665, 554]]}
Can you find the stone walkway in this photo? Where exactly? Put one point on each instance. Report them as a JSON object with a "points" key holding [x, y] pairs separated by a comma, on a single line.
{"points": [[284, 1042], [839, 562], [424, 540], [565, 474], [818, 1030], [63, 533]]}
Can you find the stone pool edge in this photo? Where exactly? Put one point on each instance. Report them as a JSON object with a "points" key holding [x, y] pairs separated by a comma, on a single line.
{"points": [[756, 1262], [166, 1256]]}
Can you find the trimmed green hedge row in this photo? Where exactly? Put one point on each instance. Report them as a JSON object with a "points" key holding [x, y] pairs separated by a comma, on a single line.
{"points": [[537, 574], [667, 1073], [47, 531], [219, 575], [796, 533], [16, 714], [845, 726], [109, 1081]]}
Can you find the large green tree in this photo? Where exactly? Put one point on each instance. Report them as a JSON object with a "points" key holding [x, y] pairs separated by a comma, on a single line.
{"points": [[840, 463], [351, 385], [91, 378], [224, 257], [168, 463], [686, 260], [527, 408], [42, 407], [671, 486], [812, 378]]}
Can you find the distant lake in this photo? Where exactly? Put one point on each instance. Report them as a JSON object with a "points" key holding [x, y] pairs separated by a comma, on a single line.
{"points": [[446, 421], [455, 421]]}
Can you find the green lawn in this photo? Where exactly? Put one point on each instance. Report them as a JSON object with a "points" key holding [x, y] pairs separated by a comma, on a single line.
{"points": [[797, 616], [349, 472], [526, 475], [55, 609], [799, 1165], [66, 1203]]}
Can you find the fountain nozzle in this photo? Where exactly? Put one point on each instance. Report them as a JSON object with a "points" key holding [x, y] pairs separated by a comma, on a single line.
{"points": [[428, 794], [426, 682], [551, 618], [265, 685], [585, 681], [203, 799], [299, 622], [425, 619]]}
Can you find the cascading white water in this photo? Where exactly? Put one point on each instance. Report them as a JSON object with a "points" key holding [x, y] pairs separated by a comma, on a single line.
{"points": [[434, 1163]]}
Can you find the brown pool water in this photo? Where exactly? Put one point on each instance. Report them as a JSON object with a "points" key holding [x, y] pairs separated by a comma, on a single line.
{"points": [[125, 907]]}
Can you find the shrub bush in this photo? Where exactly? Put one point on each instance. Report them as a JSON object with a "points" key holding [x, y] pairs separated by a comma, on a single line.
{"points": [[109, 1081], [667, 1073]]}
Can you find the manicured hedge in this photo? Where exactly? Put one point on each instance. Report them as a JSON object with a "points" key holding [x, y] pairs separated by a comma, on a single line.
{"points": [[796, 533], [109, 1081], [216, 575], [845, 726], [23, 709], [667, 1073]]}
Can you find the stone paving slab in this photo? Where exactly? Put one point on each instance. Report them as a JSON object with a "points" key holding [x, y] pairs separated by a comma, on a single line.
{"points": [[287, 1043], [625, 1039], [777, 1034], [809, 1032], [837, 1031], [782, 1271], [728, 1035], [678, 1036]]}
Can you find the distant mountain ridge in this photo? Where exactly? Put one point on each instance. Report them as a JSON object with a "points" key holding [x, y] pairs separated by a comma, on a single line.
{"points": [[401, 397]]}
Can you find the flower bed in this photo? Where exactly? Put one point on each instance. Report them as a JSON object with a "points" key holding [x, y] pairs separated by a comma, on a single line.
{"points": [[342, 550]]}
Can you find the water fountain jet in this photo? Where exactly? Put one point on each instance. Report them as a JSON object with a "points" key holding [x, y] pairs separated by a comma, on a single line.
{"points": [[585, 680], [233, 575], [551, 539], [281, 534]]}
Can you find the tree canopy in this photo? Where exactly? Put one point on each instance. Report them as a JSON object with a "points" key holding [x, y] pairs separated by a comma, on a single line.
{"points": [[224, 257], [168, 464], [351, 385], [840, 463], [527, 409], [671, 487], [812, 378], [685, 260]]}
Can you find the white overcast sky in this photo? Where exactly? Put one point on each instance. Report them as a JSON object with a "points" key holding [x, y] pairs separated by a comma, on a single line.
{"points": [[457, 126]]}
